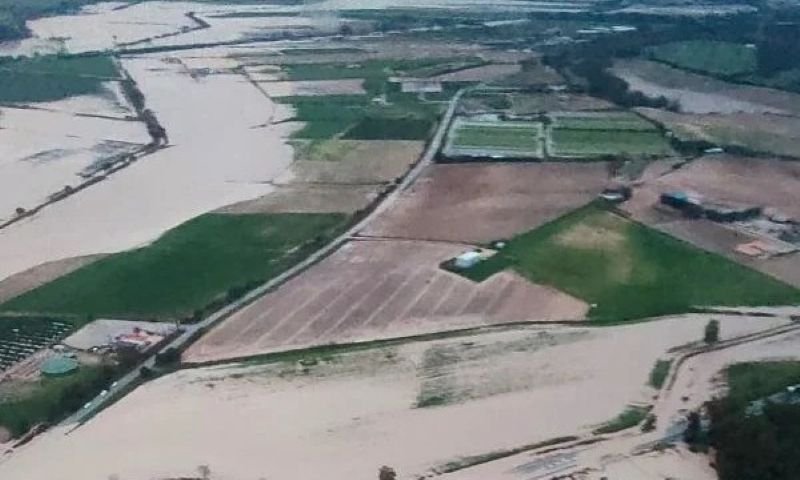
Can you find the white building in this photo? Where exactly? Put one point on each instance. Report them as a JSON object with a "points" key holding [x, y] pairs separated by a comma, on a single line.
{"points": [[467, 260]]}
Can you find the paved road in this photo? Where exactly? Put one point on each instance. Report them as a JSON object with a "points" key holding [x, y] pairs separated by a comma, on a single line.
{"points": [[185, 338]]}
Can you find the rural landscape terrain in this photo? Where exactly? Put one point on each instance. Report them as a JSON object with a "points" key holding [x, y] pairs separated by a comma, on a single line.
{"points": [[395, 239]]}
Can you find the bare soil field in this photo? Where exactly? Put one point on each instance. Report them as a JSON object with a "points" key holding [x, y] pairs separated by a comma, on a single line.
{"points": [[538, 383], [529, 103], [377, 289], [351, 86], [768, 133], [484, 73], [335, 176], [352, 161], [22, 282], [480, 203], [701, 94]]}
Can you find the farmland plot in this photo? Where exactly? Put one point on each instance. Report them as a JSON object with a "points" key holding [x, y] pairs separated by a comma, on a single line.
{"points": [[484, 202], [379, 289], [594, 134], [498, 139]]}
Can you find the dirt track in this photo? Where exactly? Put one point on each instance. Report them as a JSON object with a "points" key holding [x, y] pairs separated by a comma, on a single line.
{"points": [[378, 289]]}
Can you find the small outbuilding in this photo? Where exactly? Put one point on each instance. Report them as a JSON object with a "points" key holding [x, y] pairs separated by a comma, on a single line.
{"points": [[467, 260]]}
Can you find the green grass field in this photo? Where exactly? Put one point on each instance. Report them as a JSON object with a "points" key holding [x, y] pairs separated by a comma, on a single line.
{"points": [[753, 381], [387, 128], [616, 121], [50, 77], [524, 138], [720, 58], [186, 269], [630, 271], [593, 143], [332, 115]]}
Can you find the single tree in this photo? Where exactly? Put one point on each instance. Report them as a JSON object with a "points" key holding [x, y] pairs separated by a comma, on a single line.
{"points": [[693, 426], [204, 471], [387, 473], [712, 332]]}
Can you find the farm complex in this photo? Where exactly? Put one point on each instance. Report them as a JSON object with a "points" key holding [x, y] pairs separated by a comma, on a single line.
{"points": [[460, 240]]}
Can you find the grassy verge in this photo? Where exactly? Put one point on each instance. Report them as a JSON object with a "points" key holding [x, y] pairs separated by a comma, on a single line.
{"points": [[629, 418], [628, 271], [206, 259], [658, 375], [752, 381], [54, 398], [52, 77], [472, 460]]}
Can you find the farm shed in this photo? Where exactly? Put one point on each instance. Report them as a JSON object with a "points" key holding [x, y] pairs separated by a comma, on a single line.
{"points": [[689, 203], [467, 260]]}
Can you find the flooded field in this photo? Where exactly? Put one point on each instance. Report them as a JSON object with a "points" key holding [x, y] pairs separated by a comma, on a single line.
{"points": [[539, 383], [223, 149], [46, 148]]}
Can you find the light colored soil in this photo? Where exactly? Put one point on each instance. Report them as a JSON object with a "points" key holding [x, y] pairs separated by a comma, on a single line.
{"points": [[378, 289], [340, 176], [528, 103], [350, 86], [353, 162], [103, 331], [773, 134], [701, 94], [28, 280], [309, 199], [484, 73], [483, 202], [363, 402]]}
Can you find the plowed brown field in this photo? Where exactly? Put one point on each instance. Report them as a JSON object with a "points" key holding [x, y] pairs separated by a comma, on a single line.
{"points": [[380, 289], [480, 203]]}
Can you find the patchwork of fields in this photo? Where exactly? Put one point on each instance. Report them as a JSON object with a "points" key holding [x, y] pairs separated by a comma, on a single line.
{"points": [[495, 139], [568, 135]]}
